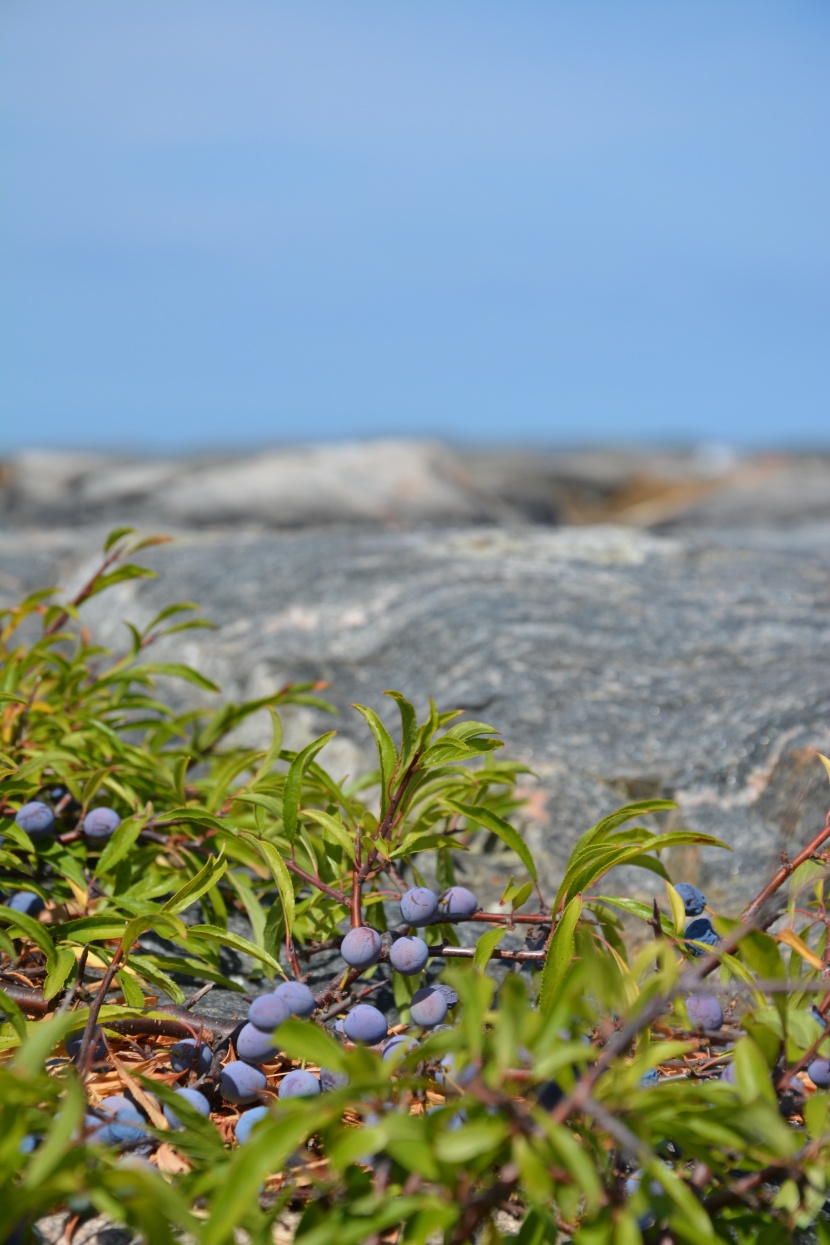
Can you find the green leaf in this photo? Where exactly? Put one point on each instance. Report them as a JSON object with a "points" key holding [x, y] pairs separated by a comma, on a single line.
{"points": [[281, 876], [164, 924], [227, 939], [294, 783], [119, 844], [334, 827], [33, 929], [115, 535], [52, 1153], [13, 1014], [206, 878], [471, 1141], [59, 968], [498, 826], [303, 1040], [387, 756], [409, 730], [560, 954], [486, 945], [175, 670]]}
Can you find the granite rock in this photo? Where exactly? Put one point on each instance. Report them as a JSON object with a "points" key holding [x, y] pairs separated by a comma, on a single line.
{"points": [[617, 663]]}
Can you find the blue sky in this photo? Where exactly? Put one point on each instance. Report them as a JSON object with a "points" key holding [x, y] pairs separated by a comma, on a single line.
{"points": [[231, 224]]}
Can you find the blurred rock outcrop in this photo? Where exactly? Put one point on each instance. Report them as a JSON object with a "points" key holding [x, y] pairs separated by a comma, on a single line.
{"points": [[689, 660]]}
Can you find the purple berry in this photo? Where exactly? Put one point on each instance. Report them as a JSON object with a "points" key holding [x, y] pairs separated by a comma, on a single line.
{"points": [[243, 1126], [702, 930], [115, 1104], [428, 1007], [459, 902], [240, 1082], [729, 1076], [704, 1010], [399, 1046], [26, 902], [299, 1084], [652, 1077], [268, 1011], [365, 1023], [361, 947], [819, 1073], [409, 955], [298, 997], [449, 994], [418, 906], [196, 1100], [693, 899], [73, 1041], [36, 818], [184, 1057], [100, 823], [330, 1081], [254, 1046]]}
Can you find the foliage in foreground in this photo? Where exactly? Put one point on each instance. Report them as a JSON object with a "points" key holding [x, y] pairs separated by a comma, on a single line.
{"points": [[536, 1106]]}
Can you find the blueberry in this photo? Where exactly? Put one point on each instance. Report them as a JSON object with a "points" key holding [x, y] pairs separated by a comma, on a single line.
{"points": [[652, 1077], [244, 1125], [72, 1042], [241, 1083], [184, 1057], [704, 1010], [549, 1095], [819, 1073], [449, 1075], [459, 902], [418, 906], [693, 899], [196, 1100], [115, 1104], [729, 1076], [100, 823], [268, 1011], [254, 1046], [298, 997], [365, 1023], [428, 1007], [299, 1084], [409, 955], [26, 902], [330, 1081], [449, 994], [36, 818], [701, 930], [361, 947], [28, 1143], [127, 1128], [399, 1045]]}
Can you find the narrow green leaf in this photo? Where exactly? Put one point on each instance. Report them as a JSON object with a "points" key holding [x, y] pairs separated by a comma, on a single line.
{"points": [[207, 877], [294, 783], [387, 756], [115, 535], [13, 1014], [334, 827], [303, 1040], [281, 876], [273, 752], [58, 970], [227, 939], [32, 929], [409, 730], [560, 954], [498, 826], [486, 945], [119, 844]]}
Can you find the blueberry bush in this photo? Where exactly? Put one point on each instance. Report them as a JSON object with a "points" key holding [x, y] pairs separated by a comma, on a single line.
{"points": [[618, 1073]]}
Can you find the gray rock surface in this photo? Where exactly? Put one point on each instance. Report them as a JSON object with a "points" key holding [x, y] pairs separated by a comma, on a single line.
{"points": [[617, 663]]}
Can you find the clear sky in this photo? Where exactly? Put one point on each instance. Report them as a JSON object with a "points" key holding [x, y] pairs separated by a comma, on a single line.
{"points": [[237, 223]]}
